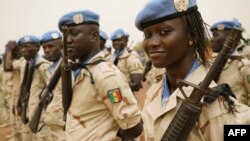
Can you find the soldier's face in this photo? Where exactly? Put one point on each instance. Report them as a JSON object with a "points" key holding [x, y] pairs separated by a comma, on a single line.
{"points": [[166, 43], [218, 40], [118, 44], [52, 49], [79, 41], [29, 50]]}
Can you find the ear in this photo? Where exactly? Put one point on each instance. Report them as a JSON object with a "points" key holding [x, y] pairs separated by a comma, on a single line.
{"points": [[95, 35]]}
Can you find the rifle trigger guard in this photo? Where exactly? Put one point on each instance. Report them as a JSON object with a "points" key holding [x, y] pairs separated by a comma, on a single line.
{"points": [[181, 83]]}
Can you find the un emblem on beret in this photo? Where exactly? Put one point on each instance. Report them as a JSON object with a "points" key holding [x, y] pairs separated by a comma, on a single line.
{"points": [[54, 35], [118, 36], [220, 27], [78, 18], [26, 39], [181, 5]]}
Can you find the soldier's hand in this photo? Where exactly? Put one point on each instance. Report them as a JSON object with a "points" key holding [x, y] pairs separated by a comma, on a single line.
{"points": [[10, 46]]}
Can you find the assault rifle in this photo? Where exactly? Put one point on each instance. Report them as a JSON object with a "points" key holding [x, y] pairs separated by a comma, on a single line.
{"points": [[190, 110], [46, 97], [22, 87], [26, 93], [66, 75]]}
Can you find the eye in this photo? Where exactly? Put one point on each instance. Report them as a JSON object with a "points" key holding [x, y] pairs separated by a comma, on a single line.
{"points": [[164, 32], [73, 32], [147, 35]]}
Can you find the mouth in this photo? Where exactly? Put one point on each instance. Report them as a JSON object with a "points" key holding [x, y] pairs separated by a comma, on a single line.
{"points": [[153, 54]]}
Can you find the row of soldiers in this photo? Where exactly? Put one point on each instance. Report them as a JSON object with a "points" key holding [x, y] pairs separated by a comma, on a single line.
{"points": [[98, 101]]}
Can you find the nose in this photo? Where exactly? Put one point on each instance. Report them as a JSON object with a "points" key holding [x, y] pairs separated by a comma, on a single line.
{"points": [[154, 41], [69, 39]]}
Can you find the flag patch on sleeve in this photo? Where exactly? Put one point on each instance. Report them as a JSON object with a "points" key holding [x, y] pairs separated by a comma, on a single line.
{"points": [[115, 95]]}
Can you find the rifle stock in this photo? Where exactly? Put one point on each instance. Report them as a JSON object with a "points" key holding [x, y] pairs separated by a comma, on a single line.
{"points": [[45, 100], [190, 110], [66, 75], [34, 122]]}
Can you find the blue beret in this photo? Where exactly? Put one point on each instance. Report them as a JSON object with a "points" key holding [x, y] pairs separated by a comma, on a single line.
{"points": [[156, 11], [225, 25], [49, 36], [79, 17], [118, 34], [28, 39], [103, 35]]}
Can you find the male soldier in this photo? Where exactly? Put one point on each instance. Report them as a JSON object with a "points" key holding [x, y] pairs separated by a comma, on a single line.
{"points": [[127, 63], [3, 110], [52, 45], [103, 38], [103, 107], [37, 71], [236, 72], [15, 120]]}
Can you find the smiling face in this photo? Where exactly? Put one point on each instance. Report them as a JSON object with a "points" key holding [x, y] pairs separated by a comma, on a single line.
{"points": [[119, 43], [81, 41], [166, 43]]}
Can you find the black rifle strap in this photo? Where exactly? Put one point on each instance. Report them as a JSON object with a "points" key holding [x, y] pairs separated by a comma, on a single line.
{"points": [[75, 66], [117, 58], [25, 74]]}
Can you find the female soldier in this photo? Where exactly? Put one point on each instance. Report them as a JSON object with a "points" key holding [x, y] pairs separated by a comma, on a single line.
{"points": [[176, 39]]}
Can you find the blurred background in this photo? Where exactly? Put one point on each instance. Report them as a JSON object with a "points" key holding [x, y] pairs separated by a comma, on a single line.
{"points": [[21, 17]]}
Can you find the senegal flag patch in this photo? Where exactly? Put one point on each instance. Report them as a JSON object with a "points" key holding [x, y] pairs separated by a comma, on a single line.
{"points": [[115, 95]]}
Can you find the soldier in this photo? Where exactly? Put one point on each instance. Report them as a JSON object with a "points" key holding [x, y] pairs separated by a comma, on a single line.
{"points": [[175, 38], [236, 72], [51, 42], [128, 64], [103, 107], [15, 120], [37, 71], [3, 108], [103, 38]]}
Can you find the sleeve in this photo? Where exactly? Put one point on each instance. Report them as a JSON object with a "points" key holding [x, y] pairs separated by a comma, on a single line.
{"points": [[43, 69], [134, 65], [245, 73], [119, 99]]}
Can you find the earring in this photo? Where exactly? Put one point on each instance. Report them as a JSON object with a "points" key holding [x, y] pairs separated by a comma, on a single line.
{"points": [[190, 43]]}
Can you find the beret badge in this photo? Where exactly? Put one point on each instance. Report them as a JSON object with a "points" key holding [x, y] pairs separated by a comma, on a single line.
{"points": [[220, 27], [118, 36], [26, 39], [78, 18], [181, 5], [54, 35]]}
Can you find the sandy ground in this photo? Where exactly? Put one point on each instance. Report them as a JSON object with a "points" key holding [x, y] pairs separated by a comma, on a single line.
{"points": [[141, 97]]}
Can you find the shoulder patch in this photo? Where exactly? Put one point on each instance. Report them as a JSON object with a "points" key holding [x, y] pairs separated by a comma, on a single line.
{"points": [[115, 95]]}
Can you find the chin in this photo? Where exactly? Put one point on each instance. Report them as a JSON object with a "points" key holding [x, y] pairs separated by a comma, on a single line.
{"points": [[158, 64]]}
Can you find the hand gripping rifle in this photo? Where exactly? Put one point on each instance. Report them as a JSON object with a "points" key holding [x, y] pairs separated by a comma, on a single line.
{"points": [[66, 75], [46, 97], [190, 110]]}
